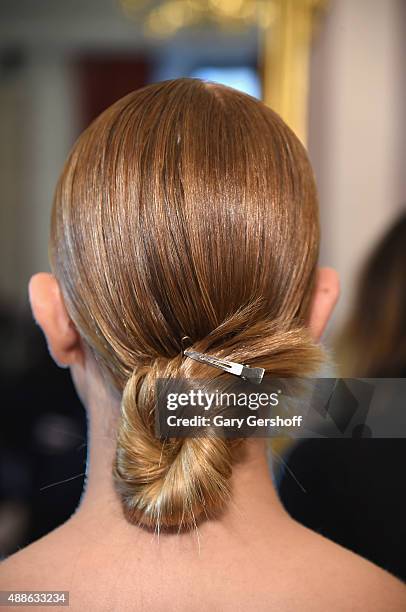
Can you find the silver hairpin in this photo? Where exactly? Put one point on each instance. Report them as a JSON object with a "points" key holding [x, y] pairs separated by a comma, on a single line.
{"points": [[254, 375]]}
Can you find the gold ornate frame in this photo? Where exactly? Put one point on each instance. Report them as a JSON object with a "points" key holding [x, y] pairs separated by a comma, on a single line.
{"points": [[285, 48]]}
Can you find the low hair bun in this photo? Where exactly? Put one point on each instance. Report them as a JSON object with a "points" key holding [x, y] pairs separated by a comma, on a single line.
{"points": [[171, 483], [177, 482]]}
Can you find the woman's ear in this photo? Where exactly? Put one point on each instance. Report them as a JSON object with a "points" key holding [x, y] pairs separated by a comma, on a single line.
{"points": [[325, 296], [49, 311]]}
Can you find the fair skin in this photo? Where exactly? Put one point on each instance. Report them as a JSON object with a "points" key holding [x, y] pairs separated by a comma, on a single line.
{"points": [[254, 557]]}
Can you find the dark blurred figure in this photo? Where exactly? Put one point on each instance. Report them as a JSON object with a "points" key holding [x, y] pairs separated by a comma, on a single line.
{"points": [[353, 491], [42, 437], [373, 342]]}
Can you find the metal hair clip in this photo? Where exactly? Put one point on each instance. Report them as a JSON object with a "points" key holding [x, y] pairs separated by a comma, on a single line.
{"points": [[254, 375]]}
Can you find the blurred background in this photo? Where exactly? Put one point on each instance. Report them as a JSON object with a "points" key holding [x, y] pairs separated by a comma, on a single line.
{"points": [[334, 69]]}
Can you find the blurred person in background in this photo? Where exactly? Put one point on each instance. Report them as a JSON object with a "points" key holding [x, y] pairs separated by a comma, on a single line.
{"points": [[373, 342], [353, 490]]}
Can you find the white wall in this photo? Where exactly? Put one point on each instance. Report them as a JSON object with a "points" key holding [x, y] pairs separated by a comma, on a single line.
{"points": [[357, 129], [11, 150], [37, 129]]}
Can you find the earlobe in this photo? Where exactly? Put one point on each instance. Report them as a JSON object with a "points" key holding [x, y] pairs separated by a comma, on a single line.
{"points": [[50, 313], [325, 296]]}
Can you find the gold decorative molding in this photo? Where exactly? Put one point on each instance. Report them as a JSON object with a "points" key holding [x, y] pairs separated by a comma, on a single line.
{"points": [[285, 48], [164, 18]]}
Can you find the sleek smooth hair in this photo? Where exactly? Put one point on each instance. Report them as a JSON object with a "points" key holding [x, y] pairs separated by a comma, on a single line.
{"points": [[372, 342], [186, 209]]}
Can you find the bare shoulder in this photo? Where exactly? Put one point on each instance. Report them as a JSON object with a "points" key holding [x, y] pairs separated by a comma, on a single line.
{"points": [[297, 570], [39, 565], [343, 580]]}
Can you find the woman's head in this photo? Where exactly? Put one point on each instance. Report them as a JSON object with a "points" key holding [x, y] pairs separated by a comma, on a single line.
{"points": [[186, 209]]}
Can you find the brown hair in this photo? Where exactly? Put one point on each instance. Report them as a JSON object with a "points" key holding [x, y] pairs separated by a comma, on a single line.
{"points": [[373, 341], [185, 209]]}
